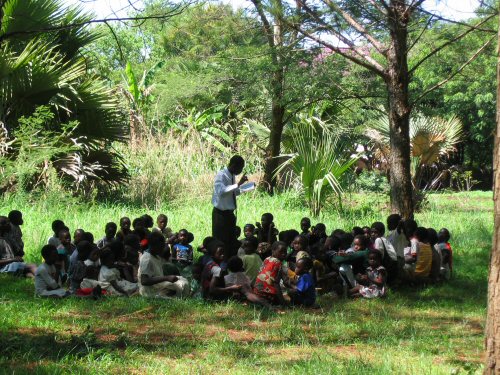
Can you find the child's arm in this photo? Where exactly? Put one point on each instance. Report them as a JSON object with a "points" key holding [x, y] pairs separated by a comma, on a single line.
{"points": [[190, 254], [215, 290], [148, 280], [115, 285], [379, 280]]}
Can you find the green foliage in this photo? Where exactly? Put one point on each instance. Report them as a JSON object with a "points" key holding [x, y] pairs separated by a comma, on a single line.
{"points": [[47, 68], [372, 181], [321, 161], [432, 140]]}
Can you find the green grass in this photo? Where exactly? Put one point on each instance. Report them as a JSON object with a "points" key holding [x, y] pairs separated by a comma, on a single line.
{"points": [[437, 330]]}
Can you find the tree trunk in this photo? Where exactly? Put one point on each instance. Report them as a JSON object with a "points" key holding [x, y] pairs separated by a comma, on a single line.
{"points": [[397, 81], [492, 365], [274, 147], [278, 108]]}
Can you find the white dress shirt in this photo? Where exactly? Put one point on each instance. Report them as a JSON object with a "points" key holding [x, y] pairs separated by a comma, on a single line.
{"points": [[224, 188]]}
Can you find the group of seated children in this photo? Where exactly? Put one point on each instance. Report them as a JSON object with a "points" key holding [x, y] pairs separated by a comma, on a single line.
{"points": [[269, 268]]}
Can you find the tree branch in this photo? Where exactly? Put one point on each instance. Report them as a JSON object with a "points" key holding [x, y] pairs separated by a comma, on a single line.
{"points": [[171, 14], [446, 44], [424, 29], [450, 77], [267, 25], [362, 30]]}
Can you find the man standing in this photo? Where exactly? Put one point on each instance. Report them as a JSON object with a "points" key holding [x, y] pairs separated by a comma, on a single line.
{"points": [[224, 200]]}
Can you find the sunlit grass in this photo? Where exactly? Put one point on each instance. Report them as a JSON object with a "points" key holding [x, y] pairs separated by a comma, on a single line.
{"points": [[436, 330]]}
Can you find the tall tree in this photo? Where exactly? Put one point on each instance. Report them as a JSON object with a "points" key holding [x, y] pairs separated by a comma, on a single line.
{"points": [[492, 365], [389, 30]]}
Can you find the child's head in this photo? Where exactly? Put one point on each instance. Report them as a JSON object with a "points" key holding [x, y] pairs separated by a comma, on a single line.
{"points": [[64, 237], [162, 221], [250, 245], [266, 219], [287, 236], [216, 249], [94, 254], [235, 264], [303, 265], [156, 243], [300, 243], [87, 236], [148, 221], [377, 230], [248, 230], [125, 224], [183, 236], [139, 224], [57, 225], [49, 254], [374, 258], [110, 230], [346, 241], [107, 257], [319, 230], [118, 249], [357, 231], [367, 231], [422, 234], [432, 236], [305, 224], [133, 241], [78, 236], [16, 217], [337, 233], [84, 249], [332, 243], [409, 228], [444, 235], [393, 221], [4, 225], [204, 245], [360, 242], [279, 250]]}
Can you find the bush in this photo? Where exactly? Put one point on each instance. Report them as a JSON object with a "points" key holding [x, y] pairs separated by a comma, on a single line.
{"points": [[372, 181]]}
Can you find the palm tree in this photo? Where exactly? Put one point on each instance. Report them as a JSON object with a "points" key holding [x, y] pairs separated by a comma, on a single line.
{"points": [[41, 64], [319, 159], [432, 140]]}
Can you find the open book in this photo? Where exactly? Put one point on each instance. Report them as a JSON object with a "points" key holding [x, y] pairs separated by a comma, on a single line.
{"points": [[249, 186]]}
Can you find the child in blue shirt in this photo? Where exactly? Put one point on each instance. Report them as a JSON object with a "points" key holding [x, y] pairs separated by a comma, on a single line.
{"points": [[304, 293], [182, 254]]}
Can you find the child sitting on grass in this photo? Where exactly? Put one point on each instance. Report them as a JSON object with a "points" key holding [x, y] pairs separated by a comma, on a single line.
{"points": [[78, 270], [110, 235], [110, 279], [15, 235], [444, 248], [124, 228], [248, 232], [57, 225], [182, 251], [65, 249], [389, 255], [212, 277], [372, 283], [266, 232], [152, 281], [47, 281], [326, 273], [238, 277], [161, 226], [10, 263], [267, 283], [304, 292], [419, 261], [251, 260]]}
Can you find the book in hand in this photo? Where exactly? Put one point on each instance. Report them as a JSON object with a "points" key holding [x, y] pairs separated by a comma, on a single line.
{"points": [[249, 186]]}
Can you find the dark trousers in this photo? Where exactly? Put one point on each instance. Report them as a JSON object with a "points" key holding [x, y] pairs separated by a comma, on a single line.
{"points": [[224, 229]]}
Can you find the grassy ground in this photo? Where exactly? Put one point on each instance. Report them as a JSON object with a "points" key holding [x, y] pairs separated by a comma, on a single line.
{"points": [[437, 330]]}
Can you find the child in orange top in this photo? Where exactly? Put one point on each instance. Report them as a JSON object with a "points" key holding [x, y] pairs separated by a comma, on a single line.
{"points": [[267, 284]]}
